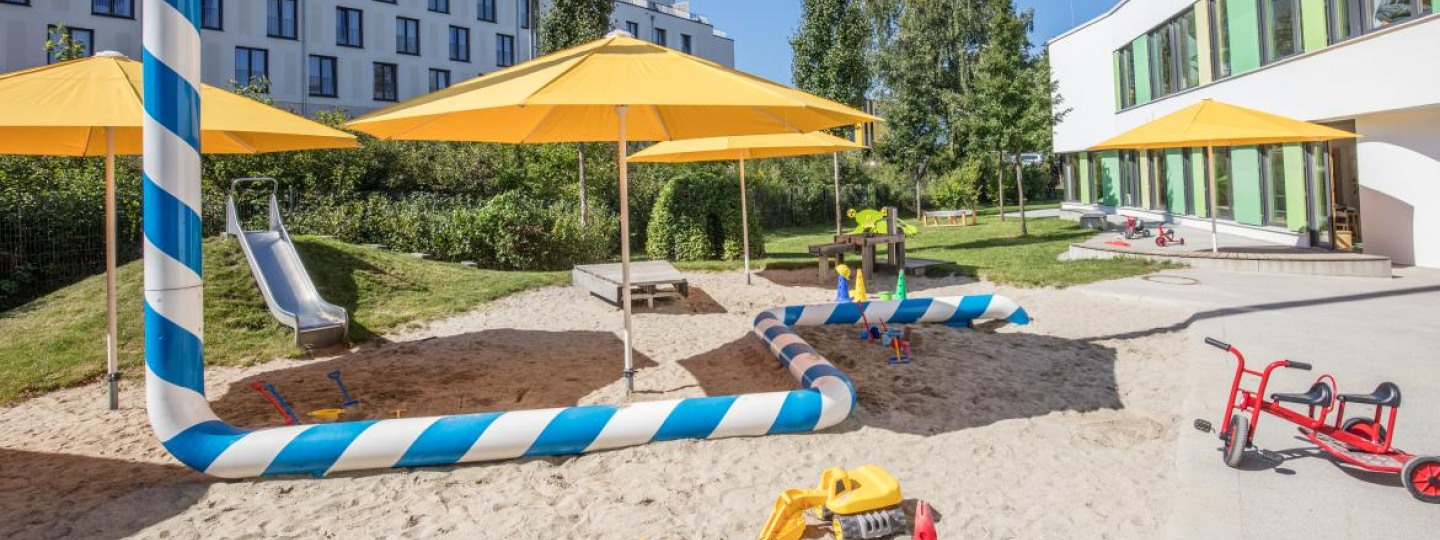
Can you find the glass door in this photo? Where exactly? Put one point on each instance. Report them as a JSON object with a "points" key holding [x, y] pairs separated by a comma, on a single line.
{"points": [[1318, 189]]}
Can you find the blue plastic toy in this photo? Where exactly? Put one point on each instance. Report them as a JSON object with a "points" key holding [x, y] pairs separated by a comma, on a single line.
{"points": [[344, 392]]}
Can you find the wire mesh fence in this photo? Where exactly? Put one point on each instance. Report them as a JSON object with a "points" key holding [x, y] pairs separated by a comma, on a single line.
{"points": [[49, 240]]}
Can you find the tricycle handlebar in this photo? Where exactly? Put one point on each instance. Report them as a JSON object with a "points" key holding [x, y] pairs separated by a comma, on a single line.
{"points": [[1217, 344], [1297, 365]]}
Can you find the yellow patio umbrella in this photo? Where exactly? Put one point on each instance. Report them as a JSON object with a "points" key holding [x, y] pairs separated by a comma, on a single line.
{"points": [[617, 88], [1212, 123], [94, 107], [745, 147]]}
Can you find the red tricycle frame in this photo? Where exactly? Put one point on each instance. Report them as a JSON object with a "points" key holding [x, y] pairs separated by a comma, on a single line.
{"points": [[1358, 441]]}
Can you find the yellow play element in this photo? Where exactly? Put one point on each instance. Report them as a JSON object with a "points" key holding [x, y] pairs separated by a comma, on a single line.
{"points": [[859, 294], [843, 270], [860, 503], [326, 415]]}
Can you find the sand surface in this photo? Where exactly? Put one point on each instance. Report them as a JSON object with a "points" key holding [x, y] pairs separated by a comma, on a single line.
{"points": [[1062, 429]]}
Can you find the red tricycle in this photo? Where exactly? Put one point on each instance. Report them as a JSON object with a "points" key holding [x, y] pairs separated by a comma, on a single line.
{"points": [[1167, 237], [1362, 441]]}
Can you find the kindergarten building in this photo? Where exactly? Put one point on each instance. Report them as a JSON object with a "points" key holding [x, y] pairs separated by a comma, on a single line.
{"points": [[1367, 66]]}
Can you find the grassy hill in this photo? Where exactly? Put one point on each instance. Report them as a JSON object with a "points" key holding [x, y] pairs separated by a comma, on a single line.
{"points": [[59, 340]]}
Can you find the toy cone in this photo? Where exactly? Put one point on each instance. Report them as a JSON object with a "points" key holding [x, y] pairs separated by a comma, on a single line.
{"points": [[860, 295], [924, 522], [900, 290], [842, 284]]}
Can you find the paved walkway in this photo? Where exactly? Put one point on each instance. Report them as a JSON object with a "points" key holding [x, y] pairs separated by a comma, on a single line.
{"points": [[1363, 331]]}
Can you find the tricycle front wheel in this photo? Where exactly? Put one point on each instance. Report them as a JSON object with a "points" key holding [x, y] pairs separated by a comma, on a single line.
{"points": [[1236, 440], [1421, 477]]}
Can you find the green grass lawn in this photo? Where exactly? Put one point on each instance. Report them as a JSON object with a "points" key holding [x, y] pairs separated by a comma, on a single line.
{"points": [[59, 340], [990, 250]]}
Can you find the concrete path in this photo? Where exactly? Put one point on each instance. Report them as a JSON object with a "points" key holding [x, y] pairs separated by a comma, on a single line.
{"points": [[1361, 330], [1014, 212]]}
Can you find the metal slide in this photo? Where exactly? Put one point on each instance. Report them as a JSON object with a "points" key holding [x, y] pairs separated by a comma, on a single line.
{"points": [[282, 278]]}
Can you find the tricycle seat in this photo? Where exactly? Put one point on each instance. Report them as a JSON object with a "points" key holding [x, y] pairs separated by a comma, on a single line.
{"points": [[1385, 395], [1319, 395]]}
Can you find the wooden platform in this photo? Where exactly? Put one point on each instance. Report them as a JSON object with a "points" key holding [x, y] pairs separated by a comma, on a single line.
{"points": [[648, 280]]}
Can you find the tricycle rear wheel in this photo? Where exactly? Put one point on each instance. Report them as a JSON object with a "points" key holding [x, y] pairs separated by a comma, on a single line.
{"points": [[1364, 428], [1421, 477], [1236, 440]]}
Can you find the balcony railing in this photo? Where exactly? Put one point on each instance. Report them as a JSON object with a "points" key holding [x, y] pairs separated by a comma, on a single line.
{"points": [[673, 11]]}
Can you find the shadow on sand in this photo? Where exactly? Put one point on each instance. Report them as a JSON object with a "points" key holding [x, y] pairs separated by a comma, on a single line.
{"points": [[52, 495]]}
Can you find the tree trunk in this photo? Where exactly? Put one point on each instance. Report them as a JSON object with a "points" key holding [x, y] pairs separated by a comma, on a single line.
{"points": [[1020, 184], [584, 209], [1000, 182], [920, 178]]}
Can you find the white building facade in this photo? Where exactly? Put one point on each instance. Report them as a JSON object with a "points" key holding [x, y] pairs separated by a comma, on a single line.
{"points": [[356, 55], [1365, 66]]}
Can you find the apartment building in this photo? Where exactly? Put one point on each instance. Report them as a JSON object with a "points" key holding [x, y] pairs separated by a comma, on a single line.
{"points": [[359, 55], [1360, 65]]}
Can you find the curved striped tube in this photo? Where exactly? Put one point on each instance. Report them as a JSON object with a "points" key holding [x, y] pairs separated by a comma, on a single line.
{"points": [[174, 327]]}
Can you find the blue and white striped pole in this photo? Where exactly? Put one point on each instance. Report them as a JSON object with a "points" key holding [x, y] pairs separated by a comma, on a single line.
{"points": [[174, 328]]}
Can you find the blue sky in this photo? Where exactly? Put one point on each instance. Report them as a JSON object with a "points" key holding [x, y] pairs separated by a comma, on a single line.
{"points": [[762, 28]]}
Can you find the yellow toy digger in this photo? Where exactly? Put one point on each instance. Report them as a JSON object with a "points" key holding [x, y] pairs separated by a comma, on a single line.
{"points": [[860, 503]]}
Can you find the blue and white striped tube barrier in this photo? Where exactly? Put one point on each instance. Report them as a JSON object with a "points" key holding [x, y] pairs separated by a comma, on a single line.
{"points": [[174, 328]]}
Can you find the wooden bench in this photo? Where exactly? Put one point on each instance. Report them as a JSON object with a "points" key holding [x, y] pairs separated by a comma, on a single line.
{"points": [[967, 217], [827, 252], [648, 280]]}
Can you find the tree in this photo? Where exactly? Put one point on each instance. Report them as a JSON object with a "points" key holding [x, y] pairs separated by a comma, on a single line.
{"points": [[829, 49], [566, 24], [922, 51], [996, 110], [64, 46]]}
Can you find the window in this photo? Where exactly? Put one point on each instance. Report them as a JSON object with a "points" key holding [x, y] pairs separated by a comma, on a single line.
{"points": [[438, 6], [1125, 58], [85, 37], [1317, 174], [524, 10], [1129, 178], [280, 19], [685, 43], [504, 50], [459, 44], [1097, 171], [113, 8], [658, 36], [1174, 55], [1070, 169], [1388, 12], [349, 27], [632, 28], [16, 2], [386, 1], [439, 79], [212, 15], [322, 76], [407, 36], [252, 67], [1272, 180], [1224, 185], [485, 10], [1280, 28], [387, 82], [1158, 179], [1220, 38]]}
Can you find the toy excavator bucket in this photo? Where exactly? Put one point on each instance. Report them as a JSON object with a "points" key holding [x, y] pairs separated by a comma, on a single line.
{"points": [[787, 522], [865, 489]]}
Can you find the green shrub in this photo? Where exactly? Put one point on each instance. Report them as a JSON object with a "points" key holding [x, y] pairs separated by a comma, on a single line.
{"points": [[697, 217]]}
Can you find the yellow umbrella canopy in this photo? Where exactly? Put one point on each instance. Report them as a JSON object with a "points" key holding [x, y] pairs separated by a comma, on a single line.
{"points": [[616, 88], [94, 107], [743, 147], [572, 95], [1212, 123], [64, 109]]}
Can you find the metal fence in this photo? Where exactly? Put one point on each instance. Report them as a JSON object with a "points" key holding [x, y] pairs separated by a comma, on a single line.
{"points": [[49, 240]]}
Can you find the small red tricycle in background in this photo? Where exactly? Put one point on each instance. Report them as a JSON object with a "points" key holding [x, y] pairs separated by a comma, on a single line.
{"points": [[1362, 441], [1165, 237]]}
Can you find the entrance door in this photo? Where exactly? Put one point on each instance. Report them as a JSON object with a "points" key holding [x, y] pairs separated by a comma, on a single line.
{"points": [[1317, 192], [1345, 191]]}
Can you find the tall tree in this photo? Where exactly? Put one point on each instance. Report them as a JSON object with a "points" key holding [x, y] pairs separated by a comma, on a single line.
{"points": [[1001, 96], [921, 54], [568, 23], [829, 49]]}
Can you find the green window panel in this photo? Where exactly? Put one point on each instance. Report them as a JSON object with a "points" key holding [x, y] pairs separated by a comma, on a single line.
{"points": [[1245, 167], [1175, 182], [1296, 208], [1200, 183], [1119, 88], [1202, 41], [1244, 31], [1085, 195], [1110, 178], [1312, 19], [1141, 46]]}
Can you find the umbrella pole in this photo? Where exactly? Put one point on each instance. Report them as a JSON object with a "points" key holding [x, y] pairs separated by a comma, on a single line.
{"points": [[744, 221], [112, 371], [1214, 210], [836, 161], [625, 249]]}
